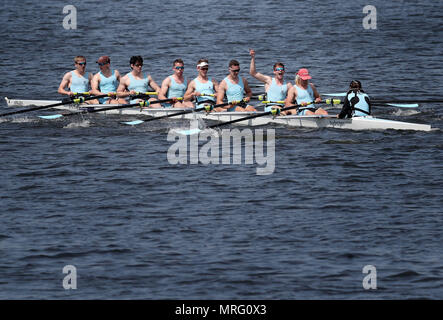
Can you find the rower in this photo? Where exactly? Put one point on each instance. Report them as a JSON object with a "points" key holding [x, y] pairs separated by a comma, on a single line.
{"points": [[106, 81], [134, 82], [235, 88], [304, 92], [276, 87], [174, 86], [356, 103], [202, 88], [77, 81]]}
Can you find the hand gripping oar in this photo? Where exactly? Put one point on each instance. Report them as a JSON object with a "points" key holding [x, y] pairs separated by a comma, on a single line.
{"points": [[78, 100], [273, 112], [141, 104], [206, 107]]}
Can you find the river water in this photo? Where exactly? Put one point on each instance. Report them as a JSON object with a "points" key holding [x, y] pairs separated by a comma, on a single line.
{"points": [[103, 197]]}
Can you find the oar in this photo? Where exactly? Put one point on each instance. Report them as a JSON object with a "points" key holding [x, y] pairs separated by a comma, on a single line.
{"points": [[206, 107], [273, 112], [391, 103], [142, 104], [79, 100]]}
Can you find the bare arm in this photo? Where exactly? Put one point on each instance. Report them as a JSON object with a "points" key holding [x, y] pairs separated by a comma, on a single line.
{"points": [[66, 82], [253, 72], [153, 84], [292, 95], [95, 83], [221, 92], [189, 94], [247, 90], [316, 94], [164, 88]]}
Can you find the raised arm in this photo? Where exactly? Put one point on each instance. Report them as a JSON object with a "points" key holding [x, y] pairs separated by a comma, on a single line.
{"points": [[253, 72]]}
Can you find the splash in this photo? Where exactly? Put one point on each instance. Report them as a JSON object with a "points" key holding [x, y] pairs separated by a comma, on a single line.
{"points": [[403, 112], [81, 124]]}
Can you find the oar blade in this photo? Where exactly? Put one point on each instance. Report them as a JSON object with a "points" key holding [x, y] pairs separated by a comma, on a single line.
{"points": [[133, 123], [189, 132], [403, 105], [51, 117], [340, 94]]}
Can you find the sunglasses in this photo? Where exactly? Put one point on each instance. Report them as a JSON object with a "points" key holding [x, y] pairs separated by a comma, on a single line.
{"points": [[138, 65], [101, 64], [81, 63], [204, 68], [236, 70], [279, 69], [179, 68]]}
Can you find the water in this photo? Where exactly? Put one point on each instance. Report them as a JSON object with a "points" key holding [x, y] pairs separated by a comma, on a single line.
{"points": [[102, 196]]}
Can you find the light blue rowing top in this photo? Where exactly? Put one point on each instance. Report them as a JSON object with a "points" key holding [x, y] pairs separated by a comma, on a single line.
{"points": [[235, 91], [276, 93], [207, 88], [79, 83], [141, 85], [304, 96], [362, 104], [107, 84], [177, 90]]}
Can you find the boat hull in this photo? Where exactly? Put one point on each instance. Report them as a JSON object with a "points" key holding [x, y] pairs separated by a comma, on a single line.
{"points": [[313, 121]]}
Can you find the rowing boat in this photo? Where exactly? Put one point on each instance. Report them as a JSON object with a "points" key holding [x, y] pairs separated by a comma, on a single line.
{"points": [[311, 121]]}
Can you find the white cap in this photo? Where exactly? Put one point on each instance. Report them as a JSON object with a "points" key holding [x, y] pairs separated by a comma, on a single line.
{"points": [[202, 64]]}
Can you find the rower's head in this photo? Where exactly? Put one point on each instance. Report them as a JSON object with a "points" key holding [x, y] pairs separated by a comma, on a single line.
{"points": [[234, 68], [178, 66], [203, 66], [80, 62], [104, 62], [136, 63], [279, 69], [355, 85], [303, 74]]}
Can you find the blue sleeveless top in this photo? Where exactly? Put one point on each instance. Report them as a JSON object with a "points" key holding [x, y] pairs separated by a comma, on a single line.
{"points": [[207, 88], [177, 90], [304, 96], [107, 84], [276, 93], [235, 91], [137, 85], [361, 108], [79, 83]]}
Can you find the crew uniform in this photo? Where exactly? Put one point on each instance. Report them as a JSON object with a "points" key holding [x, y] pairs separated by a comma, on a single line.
{"points": [[138, 85], [234, 92], [176, 90], [276, 93], [356, 104], [204, 88], [108, 84], [305, 96], [79, 83]]}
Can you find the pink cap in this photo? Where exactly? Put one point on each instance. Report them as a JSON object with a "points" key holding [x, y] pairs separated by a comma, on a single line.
{"points": [[304, 74], [103, 59]]}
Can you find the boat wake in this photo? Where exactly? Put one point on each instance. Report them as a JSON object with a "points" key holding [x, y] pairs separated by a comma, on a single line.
{"points": [[402, 112], [81, 124]]}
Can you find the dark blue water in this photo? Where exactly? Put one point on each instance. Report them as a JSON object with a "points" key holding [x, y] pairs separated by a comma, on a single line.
{"points": [[102, 197]]}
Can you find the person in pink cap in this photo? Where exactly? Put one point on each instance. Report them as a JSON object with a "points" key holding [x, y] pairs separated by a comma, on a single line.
{"points": [[304, 93]]}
